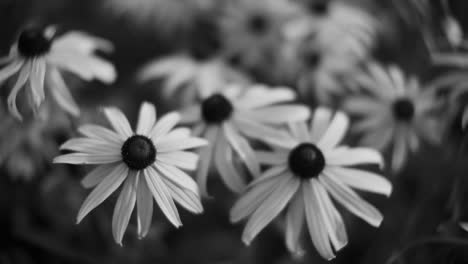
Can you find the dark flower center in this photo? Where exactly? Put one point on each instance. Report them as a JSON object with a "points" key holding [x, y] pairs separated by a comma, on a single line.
{"points": [[403, 109], [318, 7], [34, 42], [205, 40], [138, 152], [258, 24], [306, 161], [216, 109]]}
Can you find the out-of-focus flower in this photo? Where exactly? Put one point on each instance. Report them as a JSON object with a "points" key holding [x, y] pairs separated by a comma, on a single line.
{"points": [[227, 117], [201, 66], [38, 57], [299, 180], [167, 16], [413, 12], [395, 112], [252, 29], [147, 162]]}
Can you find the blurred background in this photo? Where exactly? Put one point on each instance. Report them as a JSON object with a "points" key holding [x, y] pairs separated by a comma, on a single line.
{"points": [[39, 201]]}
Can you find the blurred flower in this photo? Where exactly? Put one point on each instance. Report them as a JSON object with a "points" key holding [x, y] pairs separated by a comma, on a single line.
{"points": [[300, 178], [395, 111], [201, 66], [413, 12], [251, 29], [227, 117], [165, 15], [39, 57], [146, 163]]}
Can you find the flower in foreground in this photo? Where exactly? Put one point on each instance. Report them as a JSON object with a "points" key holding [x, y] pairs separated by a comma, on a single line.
{"points": [[227, 118], [38, 58], [301, 177], [395, 112], [148, 163]]}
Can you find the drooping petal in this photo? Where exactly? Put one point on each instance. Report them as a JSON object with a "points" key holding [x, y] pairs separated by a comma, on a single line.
{"points": [[118, 121], [82, 42], [97, 175], [349, 199], [270, 208], [206, 156], [162, 196], [124, 207], [224, 162], [36, 81], [146, 119], [361, 180], [107, 186], [144, 207], [20, 82], [10, 70], [60, 91]]}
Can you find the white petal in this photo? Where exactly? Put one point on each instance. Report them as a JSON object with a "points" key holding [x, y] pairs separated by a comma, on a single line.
{"points": [[82, 42], [315, 222], [280, 114], [270, 208], [175, 134], [60, 92], [118, 121], [243, 149], [180, 144], [191, 115], [400, 150], [335, 132], [294, 223], [162, 196], [107, 186], [206, 156], [164, 125], [146, 119], [260, 96], [87, 158], [254, 197], [182, 159], [353, 156], [92, 146], [144, 207], [224, 162], [124, 207], [362, 180], [177, 176], [349, 199], [299, 131], [36, 81], [98, 174], [319, 123], [271, 158], [9, 70], [186, 198], [160, 67], [20, 82], [101, 133]]}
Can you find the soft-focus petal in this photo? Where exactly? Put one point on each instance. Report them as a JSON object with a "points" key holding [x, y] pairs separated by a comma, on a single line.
{"points": [[146, 119], [224, 162], [60, 91]]}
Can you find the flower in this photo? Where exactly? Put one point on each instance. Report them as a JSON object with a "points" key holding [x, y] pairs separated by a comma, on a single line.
{"points": [[148, 163], [38, 57], [227, 117], [201, 66], [252, 29], [299, 179], [395, 111]]}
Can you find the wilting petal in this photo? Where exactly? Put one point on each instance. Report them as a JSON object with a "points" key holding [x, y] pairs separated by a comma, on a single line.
{"points": [[124, 207], [20, 82], [146, 119]]}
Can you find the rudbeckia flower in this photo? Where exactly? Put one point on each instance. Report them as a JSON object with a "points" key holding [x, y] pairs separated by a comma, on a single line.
{"points": [[228, 117], [38, 59], [301, 177], [148, 163], [201, 66], [395, 112]]}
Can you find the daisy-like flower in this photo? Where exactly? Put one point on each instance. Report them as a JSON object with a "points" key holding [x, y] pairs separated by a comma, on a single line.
{"points": [[252, 28], [227, 117], [395, 112], [300, 179], [38, 59], [147, 162], [200, 67]]}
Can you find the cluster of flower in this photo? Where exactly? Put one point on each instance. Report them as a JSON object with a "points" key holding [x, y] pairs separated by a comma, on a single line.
{"points": [[275, 153]]}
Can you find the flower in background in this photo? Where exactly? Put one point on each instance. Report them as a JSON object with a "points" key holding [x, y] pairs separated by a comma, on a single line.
{"points": [[252, 29], [200, 67], [227, 117], [148, 163], [39, 57], [395, 112], [302, 174], [168, 16], [413, 12]]}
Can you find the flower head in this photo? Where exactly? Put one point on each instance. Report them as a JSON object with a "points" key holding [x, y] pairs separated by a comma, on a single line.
{"points": [[146, 162], [301, 177], [395, 112], [39, 56], [227, 117]]}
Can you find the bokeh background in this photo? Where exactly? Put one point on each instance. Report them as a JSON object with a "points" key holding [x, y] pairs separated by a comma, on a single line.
{"points": [[39, 201]]}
